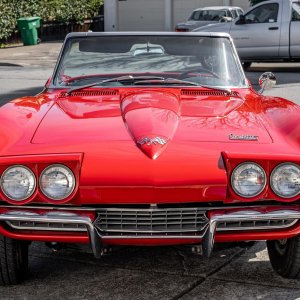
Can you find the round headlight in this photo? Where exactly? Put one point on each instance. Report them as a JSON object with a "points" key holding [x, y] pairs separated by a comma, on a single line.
{"points": [[248, 180], [18, 183], [285, 180], [57, 182]]}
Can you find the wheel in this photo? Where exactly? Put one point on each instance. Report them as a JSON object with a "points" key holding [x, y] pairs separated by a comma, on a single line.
{"points": [[13, 261], [285, 257], [246, 65]]}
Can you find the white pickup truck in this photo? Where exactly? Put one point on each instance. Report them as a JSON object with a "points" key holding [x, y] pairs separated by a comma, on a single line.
{"points": [[268, 31]]}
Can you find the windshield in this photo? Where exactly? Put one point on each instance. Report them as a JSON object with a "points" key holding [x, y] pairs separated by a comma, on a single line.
{"points": [[208, 15], [187, 59]]}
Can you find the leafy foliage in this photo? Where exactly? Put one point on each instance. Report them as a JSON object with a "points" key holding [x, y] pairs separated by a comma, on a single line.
{"points": [[254, 2], [65, 11], [7, 18]]}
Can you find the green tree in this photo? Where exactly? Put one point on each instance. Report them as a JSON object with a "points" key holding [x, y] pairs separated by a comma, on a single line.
{"points": [[65, 11], [253, 2], [7, 18]]}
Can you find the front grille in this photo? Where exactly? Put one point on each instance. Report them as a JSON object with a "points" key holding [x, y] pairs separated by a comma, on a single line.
{"points": [[255, 225], [45, 226], [151, 222], [89, 93], [209, 93]]}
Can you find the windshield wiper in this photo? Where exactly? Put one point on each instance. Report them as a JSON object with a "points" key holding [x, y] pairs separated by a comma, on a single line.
{"points": [[127, 78], [179, 81], [144, 79], [166, 81]]}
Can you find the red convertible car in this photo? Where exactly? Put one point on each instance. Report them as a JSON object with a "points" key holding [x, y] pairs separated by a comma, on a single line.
{"points": [[149, 139]]}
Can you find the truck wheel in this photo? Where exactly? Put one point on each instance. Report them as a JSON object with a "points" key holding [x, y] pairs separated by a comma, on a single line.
{"points": [[285, 257], [13, 261], [246, 65]]}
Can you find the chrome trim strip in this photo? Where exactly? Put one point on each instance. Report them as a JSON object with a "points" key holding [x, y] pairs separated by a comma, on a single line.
{"points": [[152, 231], [165, 237]]}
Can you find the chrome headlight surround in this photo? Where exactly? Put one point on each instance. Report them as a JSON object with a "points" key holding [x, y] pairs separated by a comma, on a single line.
{"points": [[55, 177], [276, 178], [26, 180], [238, 172]]}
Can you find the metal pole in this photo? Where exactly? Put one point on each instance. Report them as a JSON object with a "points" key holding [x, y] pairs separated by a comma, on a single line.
{"points": [[169, 15], [111, 15]]}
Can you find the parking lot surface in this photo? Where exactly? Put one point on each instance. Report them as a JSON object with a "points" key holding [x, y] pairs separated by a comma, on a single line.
{"points": [[152, 273]]}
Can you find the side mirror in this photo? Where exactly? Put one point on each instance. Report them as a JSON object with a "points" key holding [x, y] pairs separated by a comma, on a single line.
{"points": [[267, 81], [241, 20]]}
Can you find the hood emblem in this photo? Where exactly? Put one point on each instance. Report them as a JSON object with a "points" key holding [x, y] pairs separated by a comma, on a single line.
{"points": [[243, 137], [156, 140], [152, 145]]}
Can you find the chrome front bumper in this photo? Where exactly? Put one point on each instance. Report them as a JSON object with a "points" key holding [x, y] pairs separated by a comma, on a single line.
{"points": [[57, 221]]}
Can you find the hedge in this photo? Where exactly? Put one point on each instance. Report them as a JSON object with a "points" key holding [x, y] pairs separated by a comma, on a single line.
{"points": [[65, 11]]}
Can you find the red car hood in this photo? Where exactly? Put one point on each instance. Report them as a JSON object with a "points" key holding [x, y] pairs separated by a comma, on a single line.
{"points": [[139, 115]]}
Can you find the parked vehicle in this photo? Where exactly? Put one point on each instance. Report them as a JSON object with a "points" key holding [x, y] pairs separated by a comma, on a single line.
{"points": [[149, 139], [209, 15], [269, 31]]}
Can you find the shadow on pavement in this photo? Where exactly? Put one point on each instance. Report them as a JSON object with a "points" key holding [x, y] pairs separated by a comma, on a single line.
{"points": [[19, 93], [4, 64]]}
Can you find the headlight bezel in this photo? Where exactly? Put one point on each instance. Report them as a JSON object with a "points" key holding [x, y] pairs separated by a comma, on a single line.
{"points": [[48, 196], [257, 193], [271, 181], [23, 199]]}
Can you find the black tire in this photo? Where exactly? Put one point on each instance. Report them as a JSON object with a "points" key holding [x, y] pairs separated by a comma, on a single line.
{"points": [[13, 261], [285, 257], [246, 65]]}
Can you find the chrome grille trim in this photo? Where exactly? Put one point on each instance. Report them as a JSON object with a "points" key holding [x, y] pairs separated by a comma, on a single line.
{"points": [[241, 216], [186, 92], [255, 225], [151, 222], [58, 218], [89, 93], [46, 226], [42, 223]]}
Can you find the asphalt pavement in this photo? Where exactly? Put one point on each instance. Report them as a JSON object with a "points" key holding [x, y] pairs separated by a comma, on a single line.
{"points": [[232, 272]]}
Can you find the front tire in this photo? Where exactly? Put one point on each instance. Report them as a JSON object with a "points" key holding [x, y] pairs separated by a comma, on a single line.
{"points": [[13, 261], [285, 257]]}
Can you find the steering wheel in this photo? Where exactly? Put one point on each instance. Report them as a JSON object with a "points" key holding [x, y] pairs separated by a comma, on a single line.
{"points": [[197, 70]]}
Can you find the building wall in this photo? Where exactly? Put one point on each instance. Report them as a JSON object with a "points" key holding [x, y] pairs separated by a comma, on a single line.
{"points": [[141, 15], [148, 15]]}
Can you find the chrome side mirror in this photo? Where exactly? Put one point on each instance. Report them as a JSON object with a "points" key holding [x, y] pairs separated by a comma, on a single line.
{"points": [[267, 81]]}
